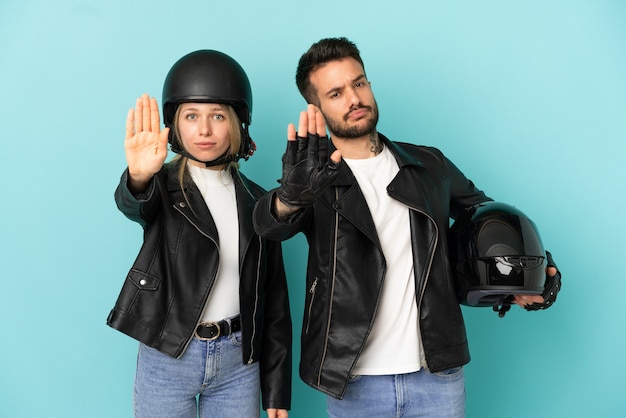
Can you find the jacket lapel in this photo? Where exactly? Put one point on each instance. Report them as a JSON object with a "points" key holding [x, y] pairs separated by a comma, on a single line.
{"points": [[406, 187], [351, 204], [191, 204], [245, 206]]}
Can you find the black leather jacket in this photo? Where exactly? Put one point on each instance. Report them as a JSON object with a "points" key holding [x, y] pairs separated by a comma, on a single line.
{"points": [[346, 266], [165, 291]]}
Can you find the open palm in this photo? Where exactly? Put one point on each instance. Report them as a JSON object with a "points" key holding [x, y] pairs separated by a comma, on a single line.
{"points": [[145, 143]]}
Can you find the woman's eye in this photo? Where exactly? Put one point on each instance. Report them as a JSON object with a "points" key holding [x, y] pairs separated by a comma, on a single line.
{"points": [[190, 116], [219, 117]]}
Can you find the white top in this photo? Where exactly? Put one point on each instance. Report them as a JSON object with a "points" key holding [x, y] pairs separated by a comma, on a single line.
{"points": [[394, 345], [218, 190]]}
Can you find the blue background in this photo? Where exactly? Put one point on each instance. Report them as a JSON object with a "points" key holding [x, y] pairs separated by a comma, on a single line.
{"points": [[528, 98]]}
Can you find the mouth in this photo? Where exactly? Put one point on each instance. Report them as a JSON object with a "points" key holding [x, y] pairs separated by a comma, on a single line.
{"points": [[204, 145], [357, 113]]}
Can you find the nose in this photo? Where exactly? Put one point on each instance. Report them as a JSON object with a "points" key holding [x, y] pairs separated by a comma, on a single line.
{"points": [[353, 97], [205, 127]]}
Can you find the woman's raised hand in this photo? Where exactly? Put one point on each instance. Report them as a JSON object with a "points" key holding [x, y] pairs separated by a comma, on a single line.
{"points": [[145, 143]]}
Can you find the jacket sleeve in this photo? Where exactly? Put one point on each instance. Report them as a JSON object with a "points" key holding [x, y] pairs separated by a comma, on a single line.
{"points": [[269, 227], [139, 208], [275, 365], [463, 193]]}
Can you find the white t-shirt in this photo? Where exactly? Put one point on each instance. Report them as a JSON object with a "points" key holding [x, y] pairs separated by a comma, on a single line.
{"points": [[218, 190], [394, 345]]}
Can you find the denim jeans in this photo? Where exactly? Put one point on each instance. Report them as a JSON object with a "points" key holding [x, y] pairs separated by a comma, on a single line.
{"points": [[209, 380], [418, 394]]}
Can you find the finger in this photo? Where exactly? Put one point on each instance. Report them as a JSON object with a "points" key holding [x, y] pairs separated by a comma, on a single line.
{"points": [[155, 121], [303, 124], [130, 124], [303, 135], [322, 154], [290, 153], [336, 156], [138, 110], [312, 116], [145, 112], [314, 142], [524, 300], [301, 150], [291, 132], [551, 271], [320, 123], [520, 300]]}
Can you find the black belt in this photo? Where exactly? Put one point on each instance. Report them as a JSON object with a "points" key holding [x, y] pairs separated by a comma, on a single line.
{"points": [[209, 331]]}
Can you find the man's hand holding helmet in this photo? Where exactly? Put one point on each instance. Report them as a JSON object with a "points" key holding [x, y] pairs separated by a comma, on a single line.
{"points": [[551, 289]]}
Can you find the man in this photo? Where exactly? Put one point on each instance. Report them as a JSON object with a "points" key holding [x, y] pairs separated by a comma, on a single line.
{"points": [[382, 329]]}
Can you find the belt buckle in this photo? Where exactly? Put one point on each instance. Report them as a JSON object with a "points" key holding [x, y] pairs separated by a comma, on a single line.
{"points": [[208, 324]]}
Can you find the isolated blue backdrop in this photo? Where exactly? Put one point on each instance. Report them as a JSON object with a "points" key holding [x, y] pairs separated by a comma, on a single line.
{"points": [[528, 98]]}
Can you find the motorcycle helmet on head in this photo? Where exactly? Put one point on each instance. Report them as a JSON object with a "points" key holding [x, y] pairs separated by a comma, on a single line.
{"points": [[208, 76], [496, 252]]}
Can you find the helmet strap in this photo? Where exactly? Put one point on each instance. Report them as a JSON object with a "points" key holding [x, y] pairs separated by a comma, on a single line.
{"points": [[224, 159], [503, 305]]}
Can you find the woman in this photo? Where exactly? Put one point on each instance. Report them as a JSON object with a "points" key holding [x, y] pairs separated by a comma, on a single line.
{"points": [[206, 297]]}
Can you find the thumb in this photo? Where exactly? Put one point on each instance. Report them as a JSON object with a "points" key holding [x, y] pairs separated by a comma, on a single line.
{"points": [[336, 156], [163, 136]]}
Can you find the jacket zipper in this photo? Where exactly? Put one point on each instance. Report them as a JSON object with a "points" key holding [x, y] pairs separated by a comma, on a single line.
{"points": [[312, 292], [256, 301], [430, 263], [332, 292], [431, 256], [176, 207]]}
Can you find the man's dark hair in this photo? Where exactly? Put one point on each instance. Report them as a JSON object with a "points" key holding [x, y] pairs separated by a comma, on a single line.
{"points": [[321, 52]]}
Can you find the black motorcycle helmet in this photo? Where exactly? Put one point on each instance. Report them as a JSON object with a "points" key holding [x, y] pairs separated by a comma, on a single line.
{"points": [[496, 252], [208, 76]]}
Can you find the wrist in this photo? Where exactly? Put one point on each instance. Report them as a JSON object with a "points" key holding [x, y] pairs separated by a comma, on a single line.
{"points": [[282, 210], [138, 183]]}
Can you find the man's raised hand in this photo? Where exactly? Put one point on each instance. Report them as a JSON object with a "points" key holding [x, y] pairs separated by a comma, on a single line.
{"points": [[307, 168]]}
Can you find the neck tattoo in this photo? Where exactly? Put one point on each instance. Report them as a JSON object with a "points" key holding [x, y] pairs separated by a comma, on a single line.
{"points": [[377, 146]]}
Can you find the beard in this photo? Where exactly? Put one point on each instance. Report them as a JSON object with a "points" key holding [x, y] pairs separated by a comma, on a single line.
{"points": [[342, 129]]}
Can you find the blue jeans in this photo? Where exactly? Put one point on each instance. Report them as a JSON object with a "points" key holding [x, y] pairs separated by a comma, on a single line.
{"points": [[209, 380], [418, 394]]}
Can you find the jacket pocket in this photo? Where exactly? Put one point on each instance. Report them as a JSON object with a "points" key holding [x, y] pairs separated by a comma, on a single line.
{"points": [[143, 280], [138, 294], [138, 311], [312, 292]]}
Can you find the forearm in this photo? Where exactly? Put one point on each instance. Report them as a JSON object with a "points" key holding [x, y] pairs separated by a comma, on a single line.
{"points": [[267, 223]]}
